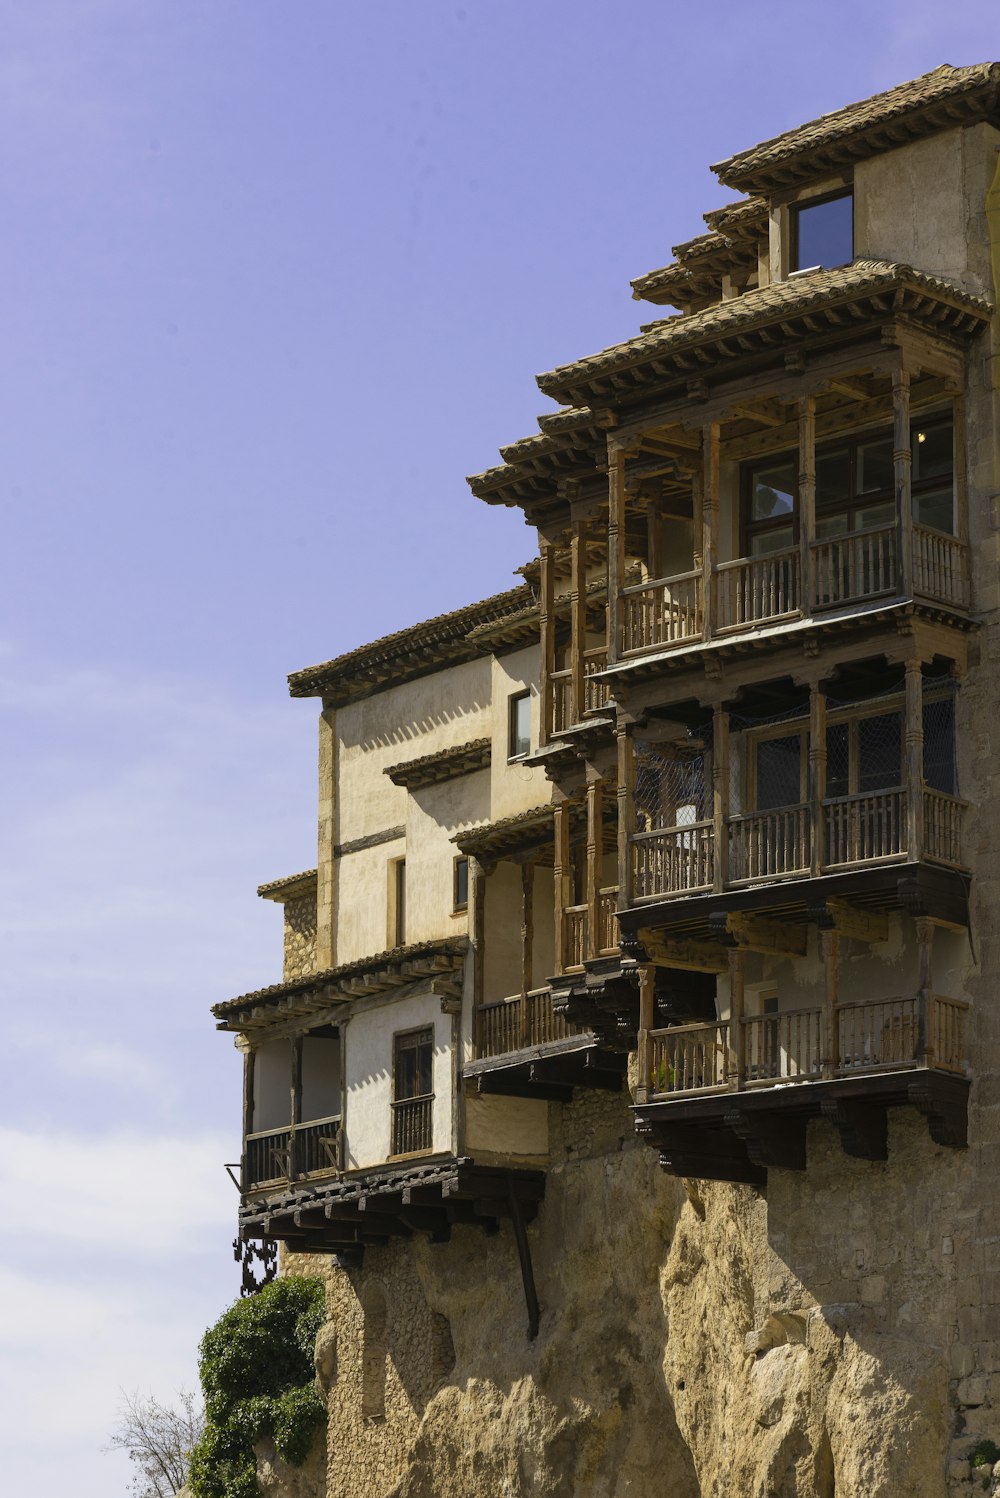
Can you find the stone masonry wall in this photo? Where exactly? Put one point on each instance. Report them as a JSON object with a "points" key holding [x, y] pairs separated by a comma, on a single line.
{"points": [[300, 936]]}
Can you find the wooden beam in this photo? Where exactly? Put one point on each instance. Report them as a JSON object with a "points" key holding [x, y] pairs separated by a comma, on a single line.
{"points": [[560, 878], [860, 925], [849, 388], [595, 851], [755, 413], [774, 938], [689, 955], [547, 636], [578, 618]]}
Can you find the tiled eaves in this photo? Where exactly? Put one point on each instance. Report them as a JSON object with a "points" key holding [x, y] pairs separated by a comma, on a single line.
{"points": [[768, 314], [406, 654], [288, 888], [368, 975], [938, 100], [445, 764]]}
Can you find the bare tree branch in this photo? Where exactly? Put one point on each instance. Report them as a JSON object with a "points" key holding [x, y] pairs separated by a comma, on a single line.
{"points": [[158, 1439]]}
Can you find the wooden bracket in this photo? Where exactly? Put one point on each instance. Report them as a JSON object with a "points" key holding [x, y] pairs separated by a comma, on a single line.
{"points": [[524, 1255], [774, 938], [859, 925], [694, 956]]}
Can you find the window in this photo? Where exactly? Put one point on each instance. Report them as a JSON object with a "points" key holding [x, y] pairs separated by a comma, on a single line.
{"points": [[397, 902], [460, 885], [822, 232], [519, 725], [412, 1091], [855, 488]]}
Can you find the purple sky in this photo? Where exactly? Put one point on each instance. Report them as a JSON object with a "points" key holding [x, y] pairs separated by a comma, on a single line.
{"points": [[277, 277]]}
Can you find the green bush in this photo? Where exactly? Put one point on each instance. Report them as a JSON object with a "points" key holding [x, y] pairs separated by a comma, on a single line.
{"points": [[985, 1454], [256, 1369]]}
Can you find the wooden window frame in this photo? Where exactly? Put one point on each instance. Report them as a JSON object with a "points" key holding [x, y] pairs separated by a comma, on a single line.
{"points": [[458, 906], [853, 441], [515, 755]]}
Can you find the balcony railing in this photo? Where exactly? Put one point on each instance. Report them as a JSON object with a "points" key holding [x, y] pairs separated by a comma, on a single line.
{"points": [[673, 860], [285, 1154], [865, 828], [596, 693], [607, 926], [860, 831], [413, 1124], [562, 693], [768, 844], [576, 946], [785, 1048], [753, 589], [661, 613], [518, 1023], [749, 591]]}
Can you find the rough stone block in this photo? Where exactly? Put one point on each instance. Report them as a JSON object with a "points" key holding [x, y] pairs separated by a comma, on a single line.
{"points": [[962, 1359], [973, 1390], [873, 1289]]}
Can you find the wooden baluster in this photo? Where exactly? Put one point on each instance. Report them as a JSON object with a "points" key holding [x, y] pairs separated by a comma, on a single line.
{"points": [[647, 1020], [477, 939], [817, 775], [914, 762], [737, 1034], [560, 877]]}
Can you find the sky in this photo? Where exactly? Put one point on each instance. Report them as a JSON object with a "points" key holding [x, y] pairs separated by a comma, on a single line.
{"points": [[276, 277]]}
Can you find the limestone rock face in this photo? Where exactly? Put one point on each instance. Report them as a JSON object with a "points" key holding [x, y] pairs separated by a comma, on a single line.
{"points": [[825, 1339]]}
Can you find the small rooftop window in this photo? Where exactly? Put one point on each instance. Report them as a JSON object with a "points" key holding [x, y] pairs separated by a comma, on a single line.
{"points": [[822, 233]]}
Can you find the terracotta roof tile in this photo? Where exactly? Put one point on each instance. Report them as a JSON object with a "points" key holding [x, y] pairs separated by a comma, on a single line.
{"points": [[934, 101], [288, 887]]}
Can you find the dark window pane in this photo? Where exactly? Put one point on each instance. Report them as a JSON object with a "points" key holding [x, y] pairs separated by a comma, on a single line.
{"points": [[838, 760], [936, 509], [413, 1065], [773, 492], [866, 517], [832, 525], [825, 233], [932, 451], [939, 745], [833, 477], [875, 469], [879, 752], [781, 538], [461, 883], [778, 772]]}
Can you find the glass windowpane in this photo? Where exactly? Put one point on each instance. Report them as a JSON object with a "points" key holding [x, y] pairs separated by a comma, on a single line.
{"points": [[773, 492], [875, 470], [832, 525], [520, 725], [939, 745], [936, 509], [869, 516], [932, 451], [781, 538], [833, 477], [825, 233]]}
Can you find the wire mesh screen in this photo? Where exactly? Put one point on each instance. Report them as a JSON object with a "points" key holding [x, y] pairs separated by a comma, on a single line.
{"points": [[766, 766], [670, 786], [940, 760]]}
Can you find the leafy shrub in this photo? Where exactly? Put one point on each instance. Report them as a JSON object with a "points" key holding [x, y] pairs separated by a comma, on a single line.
{"points": [[985, 1454], [256, 1369]]}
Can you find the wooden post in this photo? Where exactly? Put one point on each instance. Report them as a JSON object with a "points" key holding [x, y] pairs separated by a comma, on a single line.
{"points": [[249, 1067], [296, 1047], [647, 1022], [737, 1031], [830, 1038], [578, 619], [595, 852], [720, 799], [527, 926], [807, 503], [477, 939], [654, 540], [547, 637], [914, 767], [925, 988], [902, 460], [560, 875], [626, 813], [817, 776], [709, 523], [616, 548]]}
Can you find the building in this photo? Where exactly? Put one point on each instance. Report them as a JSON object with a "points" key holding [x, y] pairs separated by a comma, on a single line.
{"points": [[690, 810]]}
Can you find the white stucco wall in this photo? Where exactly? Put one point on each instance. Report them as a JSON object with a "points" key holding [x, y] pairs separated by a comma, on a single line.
{"points": [[515, 787], [367, 1062]]}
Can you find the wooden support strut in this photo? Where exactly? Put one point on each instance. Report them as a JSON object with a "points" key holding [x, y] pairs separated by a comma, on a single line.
{"points": [[524, 1256], [807, 503], [547, 637], [616, 548], [595, 851], [578, 618], [560, 875], [902, 462]]}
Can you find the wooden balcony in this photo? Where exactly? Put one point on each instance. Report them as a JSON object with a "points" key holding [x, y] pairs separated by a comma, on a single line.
{"points": [[594, 693], [578, 948], [413, 1125], [750, 1088], [525, 1047], [278, 1155], [860, 831], [859, 567]]}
